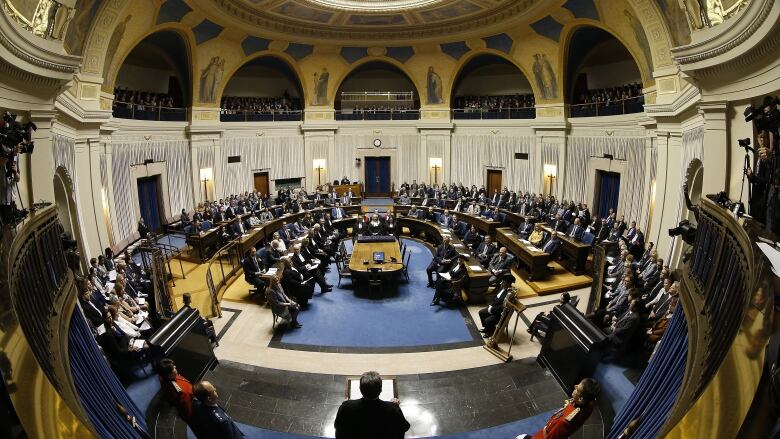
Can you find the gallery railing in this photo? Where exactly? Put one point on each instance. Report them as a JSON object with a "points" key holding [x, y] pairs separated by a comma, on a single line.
{"points": [[494, 113], [389, 114], [129, 110], [226, 115], [609, 108]]}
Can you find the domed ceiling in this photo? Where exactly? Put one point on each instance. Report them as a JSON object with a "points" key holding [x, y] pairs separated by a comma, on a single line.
{"points": [[374, 19]]}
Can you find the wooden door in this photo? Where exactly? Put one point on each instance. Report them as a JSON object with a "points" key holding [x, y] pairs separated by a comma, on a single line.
{"points": [[261, 182], [493, 181]]}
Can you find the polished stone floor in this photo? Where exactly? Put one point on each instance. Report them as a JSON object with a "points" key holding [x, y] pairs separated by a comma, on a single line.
{"points": [[435, 404]]}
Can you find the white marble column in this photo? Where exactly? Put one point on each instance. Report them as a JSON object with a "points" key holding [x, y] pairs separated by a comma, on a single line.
{"points": [[716, 148]]}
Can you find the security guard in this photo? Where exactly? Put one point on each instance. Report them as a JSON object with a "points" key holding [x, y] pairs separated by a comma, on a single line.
{"points": [[176, 389], [209, 420], [574, 413]]}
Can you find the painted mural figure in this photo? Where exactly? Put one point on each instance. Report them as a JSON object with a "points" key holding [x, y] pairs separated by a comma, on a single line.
{"points": [[113, 44], [210, 78], [544, 75], [434, 87], [321, 87]]}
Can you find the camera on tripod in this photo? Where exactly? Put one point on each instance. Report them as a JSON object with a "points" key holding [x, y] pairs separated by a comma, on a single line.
{"points": [[686, 230], [13, 134], [765, 116]]}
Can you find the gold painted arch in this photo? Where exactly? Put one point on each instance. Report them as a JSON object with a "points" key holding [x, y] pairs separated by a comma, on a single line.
{"points": [[466, 59], [381, 59], [281, 56]]}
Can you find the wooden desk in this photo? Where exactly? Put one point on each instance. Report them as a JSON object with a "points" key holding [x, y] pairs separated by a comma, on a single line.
{"points": [[205, 243], [576, 252], [364, 251], [341, 189], [484, 225], [476, 282], [535, 262]]}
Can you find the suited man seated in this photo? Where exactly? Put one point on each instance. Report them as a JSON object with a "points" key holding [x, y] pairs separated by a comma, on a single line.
{"points": [[444, 219], [370, 417], [445, 284], [345, 180], [499, 266], [622, 331], [491, 314], [485, 251], [443, 258], [237, 228], [298, 286], [575, 230], [558, 224], [525, 229], [552, 245], [253, 268], [472, 238], [338, 212], [636, 245], [376, 226], [282, 305]]}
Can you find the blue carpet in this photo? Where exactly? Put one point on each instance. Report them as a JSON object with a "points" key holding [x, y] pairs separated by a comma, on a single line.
{"points": [[377, 202], [505, 431], [614, 384], [144, 389], [341, 319]]}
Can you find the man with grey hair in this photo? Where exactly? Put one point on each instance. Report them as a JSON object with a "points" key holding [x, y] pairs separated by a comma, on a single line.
{"points": [[370, 417]]}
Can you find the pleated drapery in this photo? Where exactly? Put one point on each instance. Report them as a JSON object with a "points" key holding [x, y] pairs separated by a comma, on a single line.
{"points": [[692, 148], [64, 149], [473, 154], [405, 147], [282, 156], [579, 151], [176, 154], [657, 389], [97, 386]]}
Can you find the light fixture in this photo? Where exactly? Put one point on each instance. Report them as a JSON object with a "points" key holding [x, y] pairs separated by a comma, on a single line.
{"points": [[435, 163], [550, 172], [319, 166], [205, 177]]}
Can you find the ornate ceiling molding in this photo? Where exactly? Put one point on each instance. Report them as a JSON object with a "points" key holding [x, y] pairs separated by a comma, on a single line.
{"points": [[440, 24], [737, 41]]}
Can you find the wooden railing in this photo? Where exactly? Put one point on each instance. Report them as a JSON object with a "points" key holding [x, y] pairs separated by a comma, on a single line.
{"points": [[221, 269]]}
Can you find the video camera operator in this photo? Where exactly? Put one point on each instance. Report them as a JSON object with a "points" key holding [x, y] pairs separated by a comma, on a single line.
{"points": [[765, 177], [759, 179], [15, 139]]}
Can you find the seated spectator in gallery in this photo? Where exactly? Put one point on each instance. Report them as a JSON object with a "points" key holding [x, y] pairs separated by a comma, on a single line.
{"points": [[620, 333], [370, 417], [658, 329], [566, 421], [209, 420], [282, 305], [120, 349]]}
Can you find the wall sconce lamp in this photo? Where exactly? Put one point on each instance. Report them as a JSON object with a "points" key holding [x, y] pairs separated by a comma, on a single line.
{"points": [[550, 172], [435, 164], [205, 177], [319, 166]]}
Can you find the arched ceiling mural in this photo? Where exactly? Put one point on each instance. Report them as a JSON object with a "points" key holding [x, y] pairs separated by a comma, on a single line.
{"points": [[371, 19]]}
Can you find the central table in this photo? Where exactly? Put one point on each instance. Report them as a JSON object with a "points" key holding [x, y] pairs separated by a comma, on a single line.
{"points": [[374, 272]]}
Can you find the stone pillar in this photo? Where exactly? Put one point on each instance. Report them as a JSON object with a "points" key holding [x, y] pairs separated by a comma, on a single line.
{"points": [[107, 150], [98, 195], [39, 172], [716, 147]]}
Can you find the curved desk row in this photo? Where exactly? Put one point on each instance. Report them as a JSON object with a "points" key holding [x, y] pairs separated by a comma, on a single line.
{"points": [[476, 283]]}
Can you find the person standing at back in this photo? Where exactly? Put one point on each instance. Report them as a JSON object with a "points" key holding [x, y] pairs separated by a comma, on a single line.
{"points": [[370, 417]]}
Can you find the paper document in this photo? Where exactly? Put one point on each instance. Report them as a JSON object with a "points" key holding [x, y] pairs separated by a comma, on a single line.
{"points": [[475, 268], [145, 326], [101, 330], [466, 255], [773, 255], [457, 245], [445, 276], [525, 241], [112, 275], [271, 271], [140, 300], [138, 344]]}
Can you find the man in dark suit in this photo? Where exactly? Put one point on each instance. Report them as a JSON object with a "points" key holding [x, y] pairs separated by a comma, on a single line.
{"points": [[552, 245], [485, 251], [253, 267], [623, 330], [499, 266], [525, 229], [338, 212], [603, 230], [576, 230], [445, 282], [143, 230], [760, 179], [370, 417], [443, 258], [209, 420], [345, 180], [491, 314], [621, 224], [636, 246], [308, 267], [296, 285], [237, 228], [472, 238], [558, 224]]}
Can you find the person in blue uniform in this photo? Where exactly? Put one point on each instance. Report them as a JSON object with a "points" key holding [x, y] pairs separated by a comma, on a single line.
{"points": [[209, 420]]}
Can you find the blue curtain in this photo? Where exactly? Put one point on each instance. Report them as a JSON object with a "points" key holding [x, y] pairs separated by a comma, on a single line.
{"points": [[96, 384], [149, 203], [657, 390], [384, 174], [609, 190]]}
